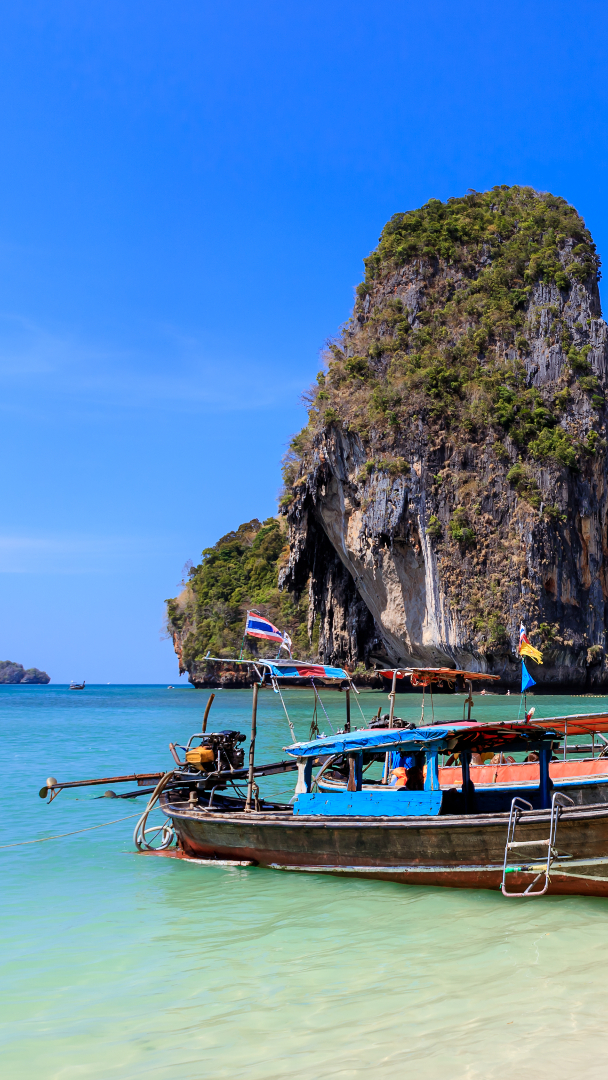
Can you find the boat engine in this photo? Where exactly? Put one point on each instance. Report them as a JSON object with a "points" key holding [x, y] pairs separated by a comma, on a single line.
{"points": [[384, 722], [218, 750]]}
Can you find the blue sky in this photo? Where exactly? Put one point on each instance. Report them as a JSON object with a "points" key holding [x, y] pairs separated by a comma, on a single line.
{"points": [[187, 191]]}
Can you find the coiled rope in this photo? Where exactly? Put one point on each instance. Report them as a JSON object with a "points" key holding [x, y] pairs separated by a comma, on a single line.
{"points": [[167, 831]]}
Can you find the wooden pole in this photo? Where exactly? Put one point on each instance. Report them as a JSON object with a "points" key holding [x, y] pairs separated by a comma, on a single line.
{"points": [[392, 699], [470, 699], [352, 778], [544, 757], [254, 718], [386, 769], [465, 758], [347, 692], [207, 708]]}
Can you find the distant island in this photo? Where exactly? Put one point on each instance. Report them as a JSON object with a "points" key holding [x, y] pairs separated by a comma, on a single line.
{"points": [[16, 673]]}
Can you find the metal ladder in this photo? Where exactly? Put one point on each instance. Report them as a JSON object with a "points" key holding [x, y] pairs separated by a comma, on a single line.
{"points": [[517, 805]]}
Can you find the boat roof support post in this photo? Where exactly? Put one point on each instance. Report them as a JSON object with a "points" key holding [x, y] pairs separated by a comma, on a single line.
{"points": [[355, 772], [359, 772], [392, 699], [431, 780], [347, 692], [544, 757], [465, 758], [304, 782], [254, 718]]}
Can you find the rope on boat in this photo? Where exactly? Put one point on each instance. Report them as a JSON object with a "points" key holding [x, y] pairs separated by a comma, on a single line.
{"points": [[318, 697], [277, 690], [166, 830], [59, 836], [358, 706]]}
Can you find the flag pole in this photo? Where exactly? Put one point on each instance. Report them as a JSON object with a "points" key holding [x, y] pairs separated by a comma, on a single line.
{"points": [[244, 636]]}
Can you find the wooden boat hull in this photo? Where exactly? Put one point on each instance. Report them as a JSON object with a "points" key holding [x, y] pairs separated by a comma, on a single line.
{"points": [[454, 851]]}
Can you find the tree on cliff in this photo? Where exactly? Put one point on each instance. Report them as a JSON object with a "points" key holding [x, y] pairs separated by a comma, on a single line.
{"points": [[239, 572]]}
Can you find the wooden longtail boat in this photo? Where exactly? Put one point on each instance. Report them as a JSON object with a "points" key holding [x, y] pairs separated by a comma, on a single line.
{"points": [[528, 840], [543, 843]]}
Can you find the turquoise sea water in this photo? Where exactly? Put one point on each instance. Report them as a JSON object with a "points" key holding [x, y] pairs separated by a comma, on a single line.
{"points": [[116, 965]]}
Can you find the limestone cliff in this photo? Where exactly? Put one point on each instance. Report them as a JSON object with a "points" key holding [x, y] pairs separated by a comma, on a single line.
{"points": [[451, 480]]}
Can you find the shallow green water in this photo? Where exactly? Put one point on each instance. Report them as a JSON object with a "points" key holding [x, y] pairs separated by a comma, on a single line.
{"points": [[115, 965]]}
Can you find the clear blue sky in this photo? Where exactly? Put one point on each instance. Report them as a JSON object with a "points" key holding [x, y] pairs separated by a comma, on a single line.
{"points": [[187, 191]]}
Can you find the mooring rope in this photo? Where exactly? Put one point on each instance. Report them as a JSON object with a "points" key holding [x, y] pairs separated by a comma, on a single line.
{"points": [[59, 836]]}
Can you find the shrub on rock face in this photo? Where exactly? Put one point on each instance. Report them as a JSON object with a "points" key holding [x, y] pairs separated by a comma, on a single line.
{"points": [[460, 529], [433, 528]]}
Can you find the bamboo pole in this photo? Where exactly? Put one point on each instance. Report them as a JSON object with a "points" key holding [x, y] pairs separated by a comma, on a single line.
{"points": [[207, 708], [254, 718], [392, 699], [55, 785], [347, 692]]}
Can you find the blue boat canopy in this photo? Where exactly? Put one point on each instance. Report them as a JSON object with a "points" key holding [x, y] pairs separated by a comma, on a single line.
{"points": [[463, 735], [385, 739], [293, 669]]}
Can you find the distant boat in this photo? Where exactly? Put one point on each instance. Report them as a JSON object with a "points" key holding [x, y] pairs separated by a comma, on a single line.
{"points": [[77, 685]]}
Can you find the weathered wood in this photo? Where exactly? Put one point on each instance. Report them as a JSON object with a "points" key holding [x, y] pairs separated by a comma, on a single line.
{"points": [[207, 708], [457, 844], [454, 850], [352, 782]]}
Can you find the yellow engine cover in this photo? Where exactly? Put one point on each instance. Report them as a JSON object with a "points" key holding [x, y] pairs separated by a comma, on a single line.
{"points": [[200, 756]]}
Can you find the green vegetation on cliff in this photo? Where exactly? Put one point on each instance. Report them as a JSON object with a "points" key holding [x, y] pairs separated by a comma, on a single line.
{"points": [[456, 361], [237, 573]]}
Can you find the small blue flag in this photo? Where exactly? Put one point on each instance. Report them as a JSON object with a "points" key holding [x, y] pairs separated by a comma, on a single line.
{"points": [[526, 679]]}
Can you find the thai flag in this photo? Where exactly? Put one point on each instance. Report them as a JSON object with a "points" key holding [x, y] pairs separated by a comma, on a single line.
{"points": [[259, 627]]}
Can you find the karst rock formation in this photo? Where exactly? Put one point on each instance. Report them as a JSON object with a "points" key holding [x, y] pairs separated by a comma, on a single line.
{"points": [[451, 481]]}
